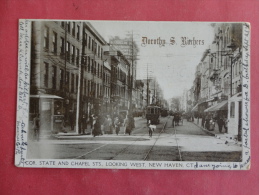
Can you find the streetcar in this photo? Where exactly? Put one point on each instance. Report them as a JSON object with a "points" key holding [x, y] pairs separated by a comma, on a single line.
{"points": [[153, 114]]}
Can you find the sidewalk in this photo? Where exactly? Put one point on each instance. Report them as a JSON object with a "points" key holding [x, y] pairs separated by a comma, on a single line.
{"points": [[220, 135], [68, 132]]}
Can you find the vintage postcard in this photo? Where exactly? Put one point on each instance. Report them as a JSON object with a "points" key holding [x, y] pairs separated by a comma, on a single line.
{"points": [[133, 95]]}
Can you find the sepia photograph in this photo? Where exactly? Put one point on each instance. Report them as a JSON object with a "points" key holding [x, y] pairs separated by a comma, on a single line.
{"points": [[131, 94]]}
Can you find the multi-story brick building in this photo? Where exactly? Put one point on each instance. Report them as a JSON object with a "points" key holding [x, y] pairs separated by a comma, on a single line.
{"points": [[59, 51]]}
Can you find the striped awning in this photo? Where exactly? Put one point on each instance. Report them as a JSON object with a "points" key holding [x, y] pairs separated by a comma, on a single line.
{"points": [[220, 106]]}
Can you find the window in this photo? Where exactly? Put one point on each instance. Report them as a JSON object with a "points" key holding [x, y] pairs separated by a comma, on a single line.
{"points": [[46, 38], [68, 51], [63, 24], [46, 74], [61, 81], [72, 83], [85, 39], [67, 80], [62, 47], [85, 63], [89, 62], [95, 68], [76, 83], [54, 77], [85, 86], [73, 55], [54, 42], [98, 69], [89, 44], [77, 57], [89, 87], [101, 53], [92, 66], [73, 28], [92, 45], [68, 27], [232, 110], [78, 31]]}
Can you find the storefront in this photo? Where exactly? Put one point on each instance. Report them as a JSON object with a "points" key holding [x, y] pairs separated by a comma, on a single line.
{"points": [[235, 115], [219, 109], [51, 112]]}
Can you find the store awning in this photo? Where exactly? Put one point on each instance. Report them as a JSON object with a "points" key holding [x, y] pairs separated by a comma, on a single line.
{"points": [[237, 97], [220, 106], [196, 107], [47, 96], [210, 108]]}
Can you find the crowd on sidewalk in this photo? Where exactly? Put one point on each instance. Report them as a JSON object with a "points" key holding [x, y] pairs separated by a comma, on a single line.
{"points": [[101, 124], [217, 125]]}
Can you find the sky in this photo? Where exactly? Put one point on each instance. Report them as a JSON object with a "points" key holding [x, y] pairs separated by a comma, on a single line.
{"points": [[172, 65]]}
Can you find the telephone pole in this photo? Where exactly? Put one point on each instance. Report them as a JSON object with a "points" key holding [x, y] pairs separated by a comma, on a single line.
{"points": [[131, 75], [147, 87], [80, 86]]}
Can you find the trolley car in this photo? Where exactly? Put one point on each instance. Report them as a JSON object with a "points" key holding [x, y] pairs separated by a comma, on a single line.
{"points": [[153, 114]]}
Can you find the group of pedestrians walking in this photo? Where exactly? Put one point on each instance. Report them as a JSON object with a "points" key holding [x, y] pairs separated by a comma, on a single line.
{"points": [[104, 124], [209, 122]]}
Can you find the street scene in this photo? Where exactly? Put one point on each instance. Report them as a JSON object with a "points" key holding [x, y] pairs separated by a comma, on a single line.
{"points": [[185, 142], [136, 91]]}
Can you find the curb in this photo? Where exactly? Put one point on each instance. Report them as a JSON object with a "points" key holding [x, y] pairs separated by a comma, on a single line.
{"points": [[205, 130], [227, 140]]}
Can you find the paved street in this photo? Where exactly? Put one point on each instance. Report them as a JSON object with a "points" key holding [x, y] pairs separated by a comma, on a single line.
{"points": [[186, 142]]}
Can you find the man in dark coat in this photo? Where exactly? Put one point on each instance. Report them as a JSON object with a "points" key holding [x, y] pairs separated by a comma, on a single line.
{"points": [[220, 123]]}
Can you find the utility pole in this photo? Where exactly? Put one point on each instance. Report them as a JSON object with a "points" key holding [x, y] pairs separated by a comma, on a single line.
{"points": [[147, 87], [131, 75], [80, 86], [65, 42], [65, 72]]}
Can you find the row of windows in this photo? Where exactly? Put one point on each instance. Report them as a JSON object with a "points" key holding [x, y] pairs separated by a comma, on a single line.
{"points": [[106, 79], [92, 45], [117, 90], [72, 54], [72, 28], [67, 50], [70, 81], [120, 75]]}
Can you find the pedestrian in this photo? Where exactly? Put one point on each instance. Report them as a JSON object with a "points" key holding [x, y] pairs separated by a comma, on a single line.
{"points": [[117, 125], [207, 122], [225, 124], [212, 124], [71, 119], [96, 126], [150, 131], [91, 120], [109, 123], [132, 122], [177, 118], [220, 123], [36, 127], [102, 123], [127, 125], [84, 124], [173, 120], [203, 121]]}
